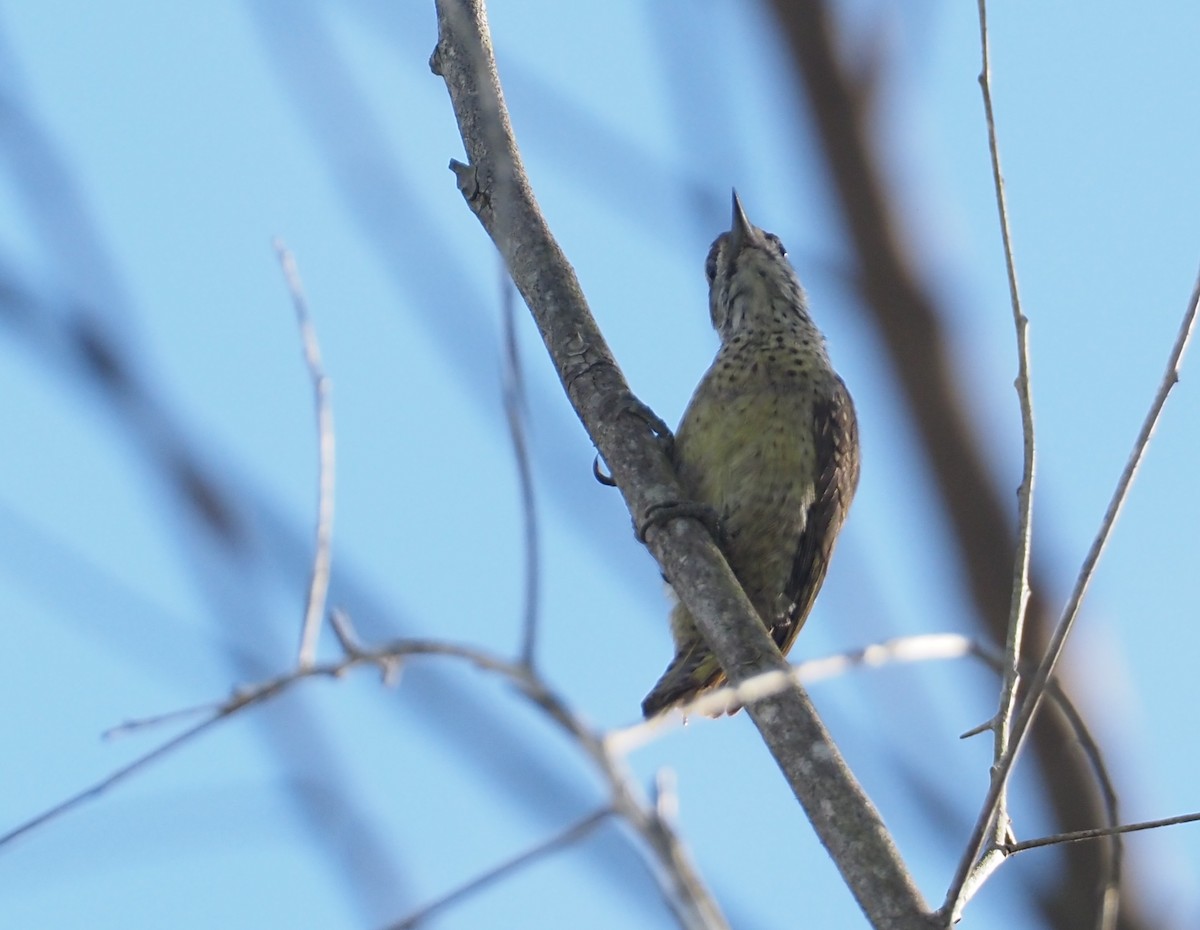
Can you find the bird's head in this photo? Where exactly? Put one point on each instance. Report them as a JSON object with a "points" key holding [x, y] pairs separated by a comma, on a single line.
{"points": [[751, 283]]}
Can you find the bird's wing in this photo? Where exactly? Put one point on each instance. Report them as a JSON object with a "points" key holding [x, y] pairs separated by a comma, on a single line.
{"points": [[836, 432]]}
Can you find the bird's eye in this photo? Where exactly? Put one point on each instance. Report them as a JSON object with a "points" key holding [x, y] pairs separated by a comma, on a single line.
{"points": [[774, 240], [710, 264]]}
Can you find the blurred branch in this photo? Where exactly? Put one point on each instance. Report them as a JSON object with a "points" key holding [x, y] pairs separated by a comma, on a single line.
{"points": [[515, 410], [908, 320], [571, 834], [682, 888], [498, 192], [76, 322], [318, 585]]}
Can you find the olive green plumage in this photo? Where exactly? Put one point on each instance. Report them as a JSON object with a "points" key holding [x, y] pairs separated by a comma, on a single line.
{"points": [[769, 440]]}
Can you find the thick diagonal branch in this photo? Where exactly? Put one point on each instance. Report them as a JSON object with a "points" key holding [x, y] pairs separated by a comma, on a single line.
{"points": [[498, 192]]}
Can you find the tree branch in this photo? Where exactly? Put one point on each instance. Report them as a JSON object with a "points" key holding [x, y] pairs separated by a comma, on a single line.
{"points": [[515, 410], [1020, 582], [318, 585], [498, 192], [901, 307], [960, 891], [682, 888], [566, 837]]}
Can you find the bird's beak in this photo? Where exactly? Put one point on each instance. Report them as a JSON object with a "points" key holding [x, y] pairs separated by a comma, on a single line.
{"points": [[741, 229]]}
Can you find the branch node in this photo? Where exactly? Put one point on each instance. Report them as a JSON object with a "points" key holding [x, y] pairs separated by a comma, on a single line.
{"points": [[390, 668], [467, 177], [988, 724], [346, 635], [665, 797]]}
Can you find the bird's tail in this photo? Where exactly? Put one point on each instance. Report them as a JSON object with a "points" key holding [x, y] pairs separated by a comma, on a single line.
{"points": [[690, 673]]}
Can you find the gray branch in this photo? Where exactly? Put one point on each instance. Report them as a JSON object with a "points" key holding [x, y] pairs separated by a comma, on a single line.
{"points": [[498, 192]]}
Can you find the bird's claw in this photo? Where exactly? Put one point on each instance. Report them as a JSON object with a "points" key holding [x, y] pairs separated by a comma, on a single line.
{"points": [[665, 512], [657, 425], [600, 475], [628, 403]]}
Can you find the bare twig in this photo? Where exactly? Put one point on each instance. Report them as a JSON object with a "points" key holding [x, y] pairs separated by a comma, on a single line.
{"points": [[240, 699], [842, 815], [1109, 895], [318, 585], [572, 834], [923, 648], [102, 786], [1110, 881], [901, 306], [1020, 582], [959, 892], [680, 884], [1076, 836], [1110, 875], [908, 649], [157, 720], [515, 409]]}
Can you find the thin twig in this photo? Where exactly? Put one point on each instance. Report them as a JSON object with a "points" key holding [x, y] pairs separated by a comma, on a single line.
{"points": [[240, 699], [1020, 581], [318, 584], [156, 720], [572, 834], [515, 409], [680, 884], [1109, 879], [933, 646], [957, 897], [103, 785], [923, 648], [1076, 836], [912, 330]]}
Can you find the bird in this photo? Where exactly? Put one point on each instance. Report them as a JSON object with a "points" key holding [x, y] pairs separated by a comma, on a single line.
{"points": [[768, 445]]}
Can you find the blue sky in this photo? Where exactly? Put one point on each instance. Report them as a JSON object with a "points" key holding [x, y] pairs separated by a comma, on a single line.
{"points": [[152, 151]]}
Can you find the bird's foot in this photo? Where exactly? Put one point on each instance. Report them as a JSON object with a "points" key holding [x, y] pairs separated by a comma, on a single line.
{"points": [[628, 403], [665, 512]]}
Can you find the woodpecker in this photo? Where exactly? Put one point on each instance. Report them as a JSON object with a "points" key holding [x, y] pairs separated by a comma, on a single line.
{"points": [[769, 442]]}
